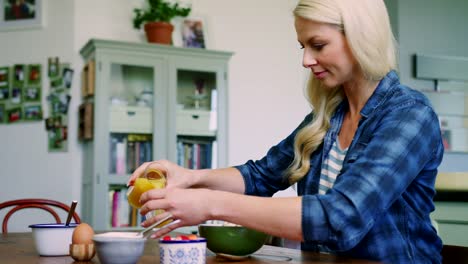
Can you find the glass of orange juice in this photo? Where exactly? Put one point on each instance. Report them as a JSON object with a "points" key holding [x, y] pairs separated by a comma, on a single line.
{"points": [[154, 177]]}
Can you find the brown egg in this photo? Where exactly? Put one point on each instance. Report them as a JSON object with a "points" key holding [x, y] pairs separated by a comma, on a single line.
{"points": [[83, 234]]}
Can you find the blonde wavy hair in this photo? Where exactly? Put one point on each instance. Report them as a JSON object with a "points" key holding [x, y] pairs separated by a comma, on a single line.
{"points": [[366, 26]]}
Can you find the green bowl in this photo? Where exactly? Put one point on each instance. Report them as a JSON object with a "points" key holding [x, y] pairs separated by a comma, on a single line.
{"points": [[232, 240]]}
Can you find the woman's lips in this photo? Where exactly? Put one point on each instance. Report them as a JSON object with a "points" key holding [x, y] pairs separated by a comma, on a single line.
{"points": [[320, 75]]}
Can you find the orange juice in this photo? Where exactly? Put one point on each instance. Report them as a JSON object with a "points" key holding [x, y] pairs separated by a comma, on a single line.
{"points": [[144, 184]]}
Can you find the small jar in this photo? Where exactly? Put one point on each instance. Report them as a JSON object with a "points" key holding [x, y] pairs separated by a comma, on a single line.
{"points": [[154, 177]]}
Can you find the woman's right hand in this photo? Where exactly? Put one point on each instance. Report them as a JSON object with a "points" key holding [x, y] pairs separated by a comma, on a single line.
{"points": [[176, 175]]}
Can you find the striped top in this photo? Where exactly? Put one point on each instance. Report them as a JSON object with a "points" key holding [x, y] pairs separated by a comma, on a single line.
{"points": [[331, 167]]}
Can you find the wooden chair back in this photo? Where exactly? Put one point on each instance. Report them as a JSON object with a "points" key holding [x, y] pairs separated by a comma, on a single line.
{"points": [[44, 204], [454, 254]]}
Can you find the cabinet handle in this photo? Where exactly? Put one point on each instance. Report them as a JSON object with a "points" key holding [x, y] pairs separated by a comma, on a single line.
{"points": [[131, 113], [195, 116]]}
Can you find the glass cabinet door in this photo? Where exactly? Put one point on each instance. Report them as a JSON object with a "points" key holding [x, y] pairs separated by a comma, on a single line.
{"points": [[196, 119], [130, 117]]}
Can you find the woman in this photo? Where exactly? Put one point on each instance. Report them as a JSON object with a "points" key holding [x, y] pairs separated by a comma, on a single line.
{"points": [[364, 160]]}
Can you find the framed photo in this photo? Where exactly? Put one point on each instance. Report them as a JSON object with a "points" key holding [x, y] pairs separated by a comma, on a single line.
{"points": [[34, 74], [193, 30], [32, 112], [32, 94], [53, 65], [4, 80], [21, 14], [2, 113], [67, 77], [19, 72], [16, 96], [14, 114], [4, 93]]}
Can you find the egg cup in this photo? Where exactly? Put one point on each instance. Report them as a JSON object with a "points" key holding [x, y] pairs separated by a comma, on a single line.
{"points": [[82, 252]]}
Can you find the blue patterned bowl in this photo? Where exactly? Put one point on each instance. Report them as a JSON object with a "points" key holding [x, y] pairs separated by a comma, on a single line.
{"points": [[182, 251]]}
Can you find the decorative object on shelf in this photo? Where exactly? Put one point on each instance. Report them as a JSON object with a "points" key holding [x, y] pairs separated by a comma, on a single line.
{"points": [[21, 14], [199, 96], [156, 18], [193, 33], [60, 77], [145, 98]]}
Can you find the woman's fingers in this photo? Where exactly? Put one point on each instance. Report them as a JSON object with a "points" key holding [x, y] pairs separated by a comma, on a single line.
{"points": [[153, 200], [139, 171], [156, 218]]}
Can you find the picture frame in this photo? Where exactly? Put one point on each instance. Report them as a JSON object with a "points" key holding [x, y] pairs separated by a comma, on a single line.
{"points": [[14, 114], [24, 14], [16, 95], [193, 32], [34, 74], [2, 114], [32, 93], [67, 77], [4, 76], [4, 93], [32, 112], [19, 74]]}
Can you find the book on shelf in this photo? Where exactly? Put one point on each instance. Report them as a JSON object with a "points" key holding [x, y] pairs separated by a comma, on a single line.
{"points": [[129, 151], [121, 213], [195, 153]]}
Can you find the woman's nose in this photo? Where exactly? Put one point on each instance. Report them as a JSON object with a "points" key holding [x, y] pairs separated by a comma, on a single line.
{"points": [[308, 59]]}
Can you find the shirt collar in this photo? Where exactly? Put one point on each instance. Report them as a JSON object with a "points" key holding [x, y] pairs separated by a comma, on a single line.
{"points": [[383, 89]]}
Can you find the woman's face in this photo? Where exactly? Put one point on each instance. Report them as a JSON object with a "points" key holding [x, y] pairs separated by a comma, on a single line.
{"points": [[326, 52]]}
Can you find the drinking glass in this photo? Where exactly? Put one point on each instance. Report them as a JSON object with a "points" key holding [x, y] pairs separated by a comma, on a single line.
{"points": [[154, 177]]}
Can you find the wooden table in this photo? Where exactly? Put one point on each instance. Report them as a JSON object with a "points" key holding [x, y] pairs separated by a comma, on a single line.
{"points": [[18, 248]]}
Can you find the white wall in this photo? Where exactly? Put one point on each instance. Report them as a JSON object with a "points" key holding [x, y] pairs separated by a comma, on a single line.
{"points": [[265, 88], [26, 168]]}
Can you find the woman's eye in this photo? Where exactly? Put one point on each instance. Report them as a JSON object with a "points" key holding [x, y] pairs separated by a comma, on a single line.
{"points": [[318, 46], [301, 46]]}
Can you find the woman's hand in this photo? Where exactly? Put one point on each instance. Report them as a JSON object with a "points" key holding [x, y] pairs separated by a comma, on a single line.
{"points": [[190, 206], [176, 176]]}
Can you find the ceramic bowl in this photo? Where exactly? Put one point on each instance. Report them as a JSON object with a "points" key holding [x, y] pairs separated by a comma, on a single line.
{"points": [[232, 240], [52, 239], [119, 247], [182, 251]]}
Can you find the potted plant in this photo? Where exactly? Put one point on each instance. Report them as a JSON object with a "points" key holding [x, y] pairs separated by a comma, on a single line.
{"points": [[156, 18]]}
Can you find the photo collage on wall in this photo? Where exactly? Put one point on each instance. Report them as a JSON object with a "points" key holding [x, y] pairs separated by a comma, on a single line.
{"points": [[20, 93], [60, 79]]}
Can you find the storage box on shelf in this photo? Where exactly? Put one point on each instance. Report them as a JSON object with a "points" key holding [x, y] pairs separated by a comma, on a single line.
{"points": [[196, 122], [136, 89], [134, 119]]}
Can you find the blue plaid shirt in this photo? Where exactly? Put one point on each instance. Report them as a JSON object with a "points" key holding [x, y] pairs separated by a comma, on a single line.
{"points": [[380, 204]]}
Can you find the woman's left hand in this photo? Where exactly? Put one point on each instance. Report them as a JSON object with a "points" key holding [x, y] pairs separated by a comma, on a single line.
{"points": [[190, 206]]}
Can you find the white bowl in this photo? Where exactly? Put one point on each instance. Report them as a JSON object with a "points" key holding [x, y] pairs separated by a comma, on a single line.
{"points": [[52, 239], [119, 247], [182, 251]]}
